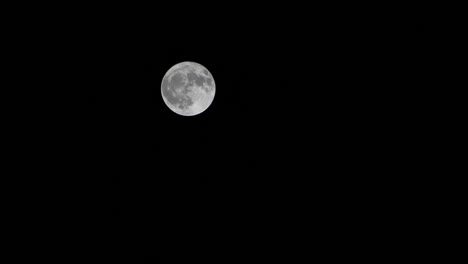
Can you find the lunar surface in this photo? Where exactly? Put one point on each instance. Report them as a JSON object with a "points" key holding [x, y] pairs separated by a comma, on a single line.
{"points": [[188, 88]]}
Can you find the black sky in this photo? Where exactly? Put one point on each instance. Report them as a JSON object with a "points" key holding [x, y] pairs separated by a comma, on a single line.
{"points": [[312, 103]]}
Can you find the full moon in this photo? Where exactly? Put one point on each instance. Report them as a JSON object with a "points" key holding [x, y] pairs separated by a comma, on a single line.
{"points": [[188, 88]]}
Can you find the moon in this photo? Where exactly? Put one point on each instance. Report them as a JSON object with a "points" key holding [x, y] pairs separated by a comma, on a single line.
{"points": [[192, 93]]}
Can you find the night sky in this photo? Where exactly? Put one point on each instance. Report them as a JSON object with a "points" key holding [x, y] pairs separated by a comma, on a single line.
{"points": [[314, 108]]}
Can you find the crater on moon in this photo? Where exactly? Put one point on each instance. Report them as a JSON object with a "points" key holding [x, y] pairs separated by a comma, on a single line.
{"points": [[188, 88]]}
